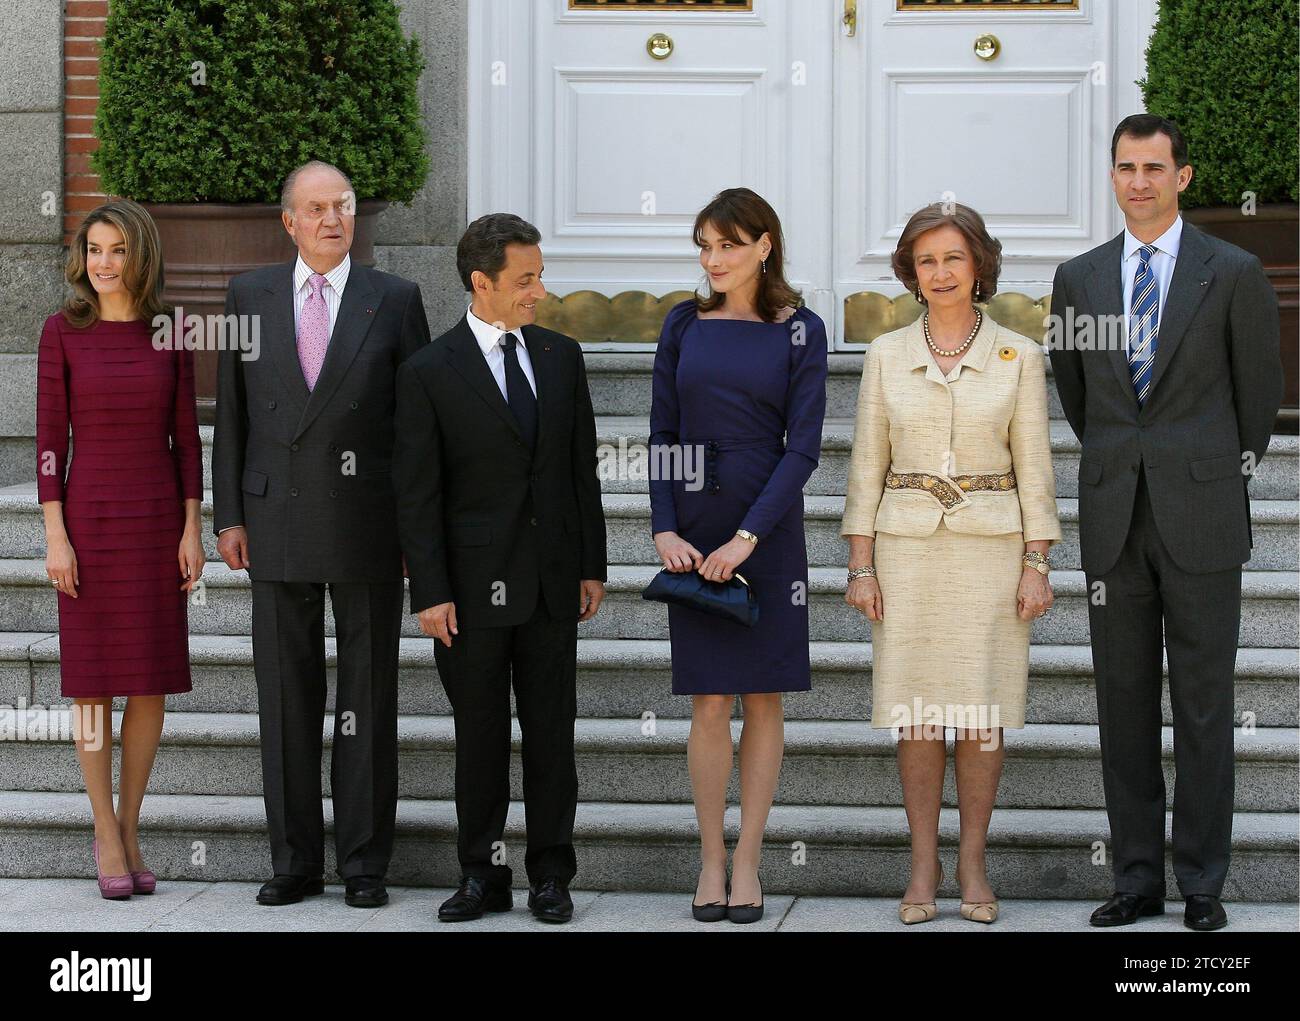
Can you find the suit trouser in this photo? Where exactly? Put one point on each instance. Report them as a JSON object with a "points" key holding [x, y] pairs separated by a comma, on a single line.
{"points": [[289, 661], [1201, 616], [540, 658]]}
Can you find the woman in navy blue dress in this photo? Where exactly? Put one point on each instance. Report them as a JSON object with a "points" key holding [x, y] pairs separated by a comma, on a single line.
{"points": [[740, 394]]}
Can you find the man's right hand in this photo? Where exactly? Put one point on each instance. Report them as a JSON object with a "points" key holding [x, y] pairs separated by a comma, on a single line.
{"points": [[232, 547], [439, 622]]}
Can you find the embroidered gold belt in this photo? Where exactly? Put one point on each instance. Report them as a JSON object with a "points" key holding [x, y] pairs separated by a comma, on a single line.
{"points": [[950, 490]]}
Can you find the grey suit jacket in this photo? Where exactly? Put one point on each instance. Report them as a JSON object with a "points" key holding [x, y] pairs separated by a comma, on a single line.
{"points": [[309, 473], [1216, 387]]}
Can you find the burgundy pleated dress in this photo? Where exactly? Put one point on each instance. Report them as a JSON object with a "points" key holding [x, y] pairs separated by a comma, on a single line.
{"points": [[136, 458]]}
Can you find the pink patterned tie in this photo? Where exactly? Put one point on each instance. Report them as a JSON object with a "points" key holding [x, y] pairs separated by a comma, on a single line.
{"points": [[313, 331]]}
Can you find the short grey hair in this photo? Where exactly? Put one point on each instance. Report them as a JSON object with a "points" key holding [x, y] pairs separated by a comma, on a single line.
{"points": [[286, 192]]}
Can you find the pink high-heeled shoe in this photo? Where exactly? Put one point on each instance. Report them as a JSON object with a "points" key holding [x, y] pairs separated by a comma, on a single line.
{"points": [[111, 887], [144, 881]]}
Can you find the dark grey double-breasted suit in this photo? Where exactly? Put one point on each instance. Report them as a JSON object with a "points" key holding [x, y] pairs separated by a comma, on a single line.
{"points": [[1164, 522], [309, 475]]}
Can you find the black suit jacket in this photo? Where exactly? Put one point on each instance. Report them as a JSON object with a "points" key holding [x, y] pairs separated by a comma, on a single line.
{"points": [[484, 523], [309, 473], [1216, 387]]}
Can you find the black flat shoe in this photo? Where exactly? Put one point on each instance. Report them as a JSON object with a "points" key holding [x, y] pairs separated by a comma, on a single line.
{"points": [[475, 896], [365, 892], [714, 911], [743, 914], [1127, 908], [1204, 913], [549, 900], [290, 889]]}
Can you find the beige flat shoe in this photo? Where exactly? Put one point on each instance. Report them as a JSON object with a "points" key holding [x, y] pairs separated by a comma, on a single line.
{"points": [[912, 913], [980, 911]]}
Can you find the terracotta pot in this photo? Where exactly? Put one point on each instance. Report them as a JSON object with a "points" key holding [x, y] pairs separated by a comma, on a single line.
{"points": [[205, 244], [1272, 235]]}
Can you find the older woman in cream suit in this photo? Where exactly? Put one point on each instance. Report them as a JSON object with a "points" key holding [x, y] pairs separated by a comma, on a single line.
{"points": [[950, 511]]}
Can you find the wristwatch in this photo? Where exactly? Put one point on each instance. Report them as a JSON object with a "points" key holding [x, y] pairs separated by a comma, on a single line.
{"points": [[747, 536], [1038, 561]]}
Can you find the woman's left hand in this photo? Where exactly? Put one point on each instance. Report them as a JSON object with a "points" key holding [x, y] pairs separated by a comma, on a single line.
{"points": [[723, 561], [1035, 596], [191, 559]]}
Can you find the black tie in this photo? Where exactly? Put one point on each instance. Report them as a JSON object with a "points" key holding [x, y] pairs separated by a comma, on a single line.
{"points": [[519, 395]]}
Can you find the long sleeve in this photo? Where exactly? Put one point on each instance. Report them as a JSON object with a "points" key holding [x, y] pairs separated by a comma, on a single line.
{"points": [[415, 324], [805, 412], [52, 416], [187, 449], [230, 434], [1067, 361], [870, 457], [1031, 451], [591, 511], [664, 420], [1255, 355], [417, 483]]}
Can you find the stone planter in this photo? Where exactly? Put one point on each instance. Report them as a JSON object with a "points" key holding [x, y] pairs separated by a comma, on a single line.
{"points": [[205, 244], [1272, 235]]}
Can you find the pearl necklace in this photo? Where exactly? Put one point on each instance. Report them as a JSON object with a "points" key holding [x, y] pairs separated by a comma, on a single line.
{"points": [[925, 326]]}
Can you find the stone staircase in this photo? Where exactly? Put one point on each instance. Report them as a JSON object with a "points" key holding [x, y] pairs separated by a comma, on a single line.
{"points": [[837, 826]]}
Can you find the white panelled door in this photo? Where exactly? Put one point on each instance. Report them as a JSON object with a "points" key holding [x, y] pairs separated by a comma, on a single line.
{"points": [[575, 126], [1023, 136], [611, 152]]}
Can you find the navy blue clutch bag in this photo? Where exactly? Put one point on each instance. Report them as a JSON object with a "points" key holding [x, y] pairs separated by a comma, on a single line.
{"points": [[730, 599]]}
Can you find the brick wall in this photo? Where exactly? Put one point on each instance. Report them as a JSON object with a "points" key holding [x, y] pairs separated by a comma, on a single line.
{"points": [[83, 28]]}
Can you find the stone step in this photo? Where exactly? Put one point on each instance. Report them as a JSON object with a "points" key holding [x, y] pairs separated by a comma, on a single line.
{"points": [[620, 383], [631, 760], [1275, 523], [862, 851], [630, 679], [1278, 477], [224, 606]]}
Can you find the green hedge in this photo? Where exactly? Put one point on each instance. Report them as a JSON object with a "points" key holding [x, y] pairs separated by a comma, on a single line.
{"points": [[1225, 71], [272, 99]]}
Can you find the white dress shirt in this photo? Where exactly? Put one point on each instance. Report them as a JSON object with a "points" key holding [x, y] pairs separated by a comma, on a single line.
{"points": [[335, 280], [489, 342], [1162, 265]]}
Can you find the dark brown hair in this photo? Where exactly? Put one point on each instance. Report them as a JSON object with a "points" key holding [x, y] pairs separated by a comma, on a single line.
{"points": [[142, 271], [736, 211], [985, 249], [483, 245], [1147, 125]]}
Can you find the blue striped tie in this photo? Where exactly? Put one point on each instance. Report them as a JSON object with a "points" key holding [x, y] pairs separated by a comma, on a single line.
{"points": [[1144, 322]]}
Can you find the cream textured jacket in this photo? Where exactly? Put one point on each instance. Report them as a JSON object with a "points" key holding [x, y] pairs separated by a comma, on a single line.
{"points": [[926, 447]]}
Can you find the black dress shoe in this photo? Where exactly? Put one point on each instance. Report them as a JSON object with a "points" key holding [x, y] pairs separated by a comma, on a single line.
{"points": [[290, 889], [549, 900], [714, 911], [365, 892], [475, 896], [1127, 908], [1204, 913], [744, 914]]}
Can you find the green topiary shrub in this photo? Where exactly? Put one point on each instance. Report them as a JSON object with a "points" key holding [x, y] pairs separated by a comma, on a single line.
{"points": [[217, 100], [1225, 71]]}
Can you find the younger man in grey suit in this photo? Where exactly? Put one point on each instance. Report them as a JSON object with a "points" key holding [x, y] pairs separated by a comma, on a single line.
{"points": [[303, 499], [1173, 418]]}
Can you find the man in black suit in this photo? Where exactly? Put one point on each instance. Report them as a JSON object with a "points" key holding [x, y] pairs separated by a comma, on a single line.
{"points": [[1174, 415], [499, 514], [303, 499]]}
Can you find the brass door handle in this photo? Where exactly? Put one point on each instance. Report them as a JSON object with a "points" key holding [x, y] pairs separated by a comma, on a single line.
{"points": [[987, 46], [850, 18], [659, 46]]}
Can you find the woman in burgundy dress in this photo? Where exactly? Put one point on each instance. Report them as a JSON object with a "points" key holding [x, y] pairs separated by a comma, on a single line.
{"points": [[122, 532]]}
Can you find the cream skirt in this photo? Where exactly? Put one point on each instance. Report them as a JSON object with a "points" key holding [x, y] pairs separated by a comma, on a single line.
{"points": [[951, 649]]}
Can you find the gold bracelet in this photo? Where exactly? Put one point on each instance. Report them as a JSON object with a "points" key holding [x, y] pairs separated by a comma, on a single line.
{"points": [[747, 536]]}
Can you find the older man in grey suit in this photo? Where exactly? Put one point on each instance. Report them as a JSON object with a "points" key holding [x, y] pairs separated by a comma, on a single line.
{"points": [[1173, 416], [303, 496]]}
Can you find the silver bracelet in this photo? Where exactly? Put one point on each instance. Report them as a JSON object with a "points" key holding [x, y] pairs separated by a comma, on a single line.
{"points": [[861, 572]]}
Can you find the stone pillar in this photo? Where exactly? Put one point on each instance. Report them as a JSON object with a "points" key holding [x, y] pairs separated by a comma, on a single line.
{"points": [[31, 215]]}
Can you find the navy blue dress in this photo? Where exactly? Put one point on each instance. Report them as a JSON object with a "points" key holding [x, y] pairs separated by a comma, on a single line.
{"points": [[750, 397]]}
